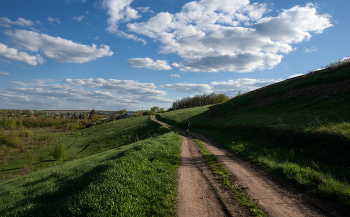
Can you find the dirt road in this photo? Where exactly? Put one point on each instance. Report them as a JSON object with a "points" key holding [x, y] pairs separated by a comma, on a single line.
{"points": [[198, 198]]}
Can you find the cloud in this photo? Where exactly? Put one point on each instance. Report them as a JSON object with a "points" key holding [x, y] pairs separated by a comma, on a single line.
{"points": [[120, 11], [20, 56], [296, 75], [232, 87], [310, 49], [53, 20], [4, 61], [148, 63], [346, 59], [90, 93], [189, 88], [58, 49], [79, 19], [145, 9], [6, 22], [4, 73], [225, 35], [175, 75]]}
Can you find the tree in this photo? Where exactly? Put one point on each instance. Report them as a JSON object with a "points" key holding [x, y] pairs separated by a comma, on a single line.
{"points": [[92, 113], [60, 152], [161, 110], [123, 111], [155, 109], [28, 112]]}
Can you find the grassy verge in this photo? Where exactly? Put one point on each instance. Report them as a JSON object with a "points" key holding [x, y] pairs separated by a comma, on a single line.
{"points": [[38, 155], [133, 180], [226, 179]]}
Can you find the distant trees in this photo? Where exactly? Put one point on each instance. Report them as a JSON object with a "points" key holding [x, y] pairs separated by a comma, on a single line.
{"points": [[205, 99], [155, 109], [148, 112]]}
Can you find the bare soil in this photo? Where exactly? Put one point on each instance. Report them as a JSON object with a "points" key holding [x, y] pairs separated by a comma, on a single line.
{"points": [[199, 194]]}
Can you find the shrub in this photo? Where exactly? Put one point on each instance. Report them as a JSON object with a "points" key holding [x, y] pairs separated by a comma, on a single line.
{"points": [[60, 152], [148, 112], [25, 133], [15, 142]]}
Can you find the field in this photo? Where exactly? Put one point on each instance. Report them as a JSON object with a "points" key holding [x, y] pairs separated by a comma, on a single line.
{"points": [[298, 129], [138, 172]]}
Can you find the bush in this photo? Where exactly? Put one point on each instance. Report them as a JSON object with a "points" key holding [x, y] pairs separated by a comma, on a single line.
{"points": [[25, 133], [60, 152], [148, 112]]}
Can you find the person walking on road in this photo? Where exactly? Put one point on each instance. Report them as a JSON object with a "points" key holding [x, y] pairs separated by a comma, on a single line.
{"points": [[187, 127]]}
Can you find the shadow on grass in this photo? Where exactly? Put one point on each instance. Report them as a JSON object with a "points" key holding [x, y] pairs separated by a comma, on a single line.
{"points": [[58, 202]]}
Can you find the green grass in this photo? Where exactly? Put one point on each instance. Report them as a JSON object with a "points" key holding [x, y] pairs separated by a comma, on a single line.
{"points": [[302, 139], [79, 144], [226, 179], [137, 179]]}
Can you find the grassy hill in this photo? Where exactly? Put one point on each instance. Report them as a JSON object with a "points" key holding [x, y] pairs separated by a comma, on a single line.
{"points": [[298, 128], [135, 177]]}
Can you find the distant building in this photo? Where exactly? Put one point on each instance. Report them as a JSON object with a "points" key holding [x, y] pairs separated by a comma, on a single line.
{"points": [[127, 115]]}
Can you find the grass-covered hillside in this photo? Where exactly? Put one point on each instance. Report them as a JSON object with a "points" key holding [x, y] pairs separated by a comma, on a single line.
{"points": [[298, 128], [36, 153], [126, 168]]}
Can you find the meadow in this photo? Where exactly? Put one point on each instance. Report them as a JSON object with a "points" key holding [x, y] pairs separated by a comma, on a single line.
{"points": [[298, 129], [34, 151], [125, 168]]}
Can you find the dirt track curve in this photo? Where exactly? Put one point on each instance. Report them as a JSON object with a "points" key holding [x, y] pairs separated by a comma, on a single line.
{"points": [[198, 197]]}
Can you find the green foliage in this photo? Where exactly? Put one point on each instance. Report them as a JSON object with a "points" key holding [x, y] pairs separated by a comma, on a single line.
{"points": [[161, 110], [155, 109], [138, 114], [28, 112], [60, 152], [202, 100], [123, 111], [148, 112]]}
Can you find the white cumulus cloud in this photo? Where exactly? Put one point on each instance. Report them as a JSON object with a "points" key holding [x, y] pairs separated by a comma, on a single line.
{"points": [[6, 22], [175, 75], [106, 93], [20, 56], [189, 88], [148, 63], [296, 75], [120, 11], [57, 48], [225, 35], [53, 20], [232, 87], [79, 19]]}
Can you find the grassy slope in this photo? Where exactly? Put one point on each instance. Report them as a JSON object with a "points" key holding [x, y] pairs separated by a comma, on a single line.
{"points": [[79, 144], [304, 139], [135, 179]]}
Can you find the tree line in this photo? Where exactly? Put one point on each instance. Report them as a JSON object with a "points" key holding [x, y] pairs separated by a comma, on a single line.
{"points": [[199, 100]]}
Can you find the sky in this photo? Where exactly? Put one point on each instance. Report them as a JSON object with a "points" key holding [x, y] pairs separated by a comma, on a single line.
{"points": [[136, 54]]}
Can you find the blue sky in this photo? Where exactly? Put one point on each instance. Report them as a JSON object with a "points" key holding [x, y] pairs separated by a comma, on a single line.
{"points": [[134, 54]]}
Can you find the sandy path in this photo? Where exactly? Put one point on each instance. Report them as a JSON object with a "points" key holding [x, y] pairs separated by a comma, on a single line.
{"points": [[195, 195], [274, 199]]}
